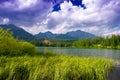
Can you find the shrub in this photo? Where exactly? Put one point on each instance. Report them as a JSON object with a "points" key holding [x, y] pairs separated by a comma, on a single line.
{"points": [[27, 48], [9, 46]]}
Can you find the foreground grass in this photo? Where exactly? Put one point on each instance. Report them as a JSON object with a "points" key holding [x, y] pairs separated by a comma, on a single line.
{"points": [[54, 68]]}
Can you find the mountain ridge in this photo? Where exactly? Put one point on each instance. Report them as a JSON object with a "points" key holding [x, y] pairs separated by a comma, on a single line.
{"points": [[24, 35], [78, 34]]}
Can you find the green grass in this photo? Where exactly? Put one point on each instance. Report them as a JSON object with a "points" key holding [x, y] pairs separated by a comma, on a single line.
{"points": [[54, 68]]}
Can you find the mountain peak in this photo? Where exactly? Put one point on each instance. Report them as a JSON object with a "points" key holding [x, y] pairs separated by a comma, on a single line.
{"points": [[48, 32], [45, 35], [78, 31]]}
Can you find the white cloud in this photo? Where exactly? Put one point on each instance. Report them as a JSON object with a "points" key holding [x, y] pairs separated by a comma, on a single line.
{"points": [[66, 5], [112, 33], [97, 18], [19, 4], [5, 21], [35, 29], [25, 3], [8, 5]]}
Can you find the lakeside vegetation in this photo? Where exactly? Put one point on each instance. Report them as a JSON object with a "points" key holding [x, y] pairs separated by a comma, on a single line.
{"points": [[9, 46], [54, 68], [19, 60], [112, 42], [53, 42]]}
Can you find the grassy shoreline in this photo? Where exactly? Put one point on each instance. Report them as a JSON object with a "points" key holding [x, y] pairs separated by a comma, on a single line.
{"points": [[54, 68]]}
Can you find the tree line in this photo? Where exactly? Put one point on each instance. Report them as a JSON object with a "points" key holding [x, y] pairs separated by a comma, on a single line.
{"points": [[112, 42], [99, 42]]}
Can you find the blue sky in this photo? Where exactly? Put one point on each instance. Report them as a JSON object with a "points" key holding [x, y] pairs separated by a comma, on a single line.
{"points": [[100, 17]]}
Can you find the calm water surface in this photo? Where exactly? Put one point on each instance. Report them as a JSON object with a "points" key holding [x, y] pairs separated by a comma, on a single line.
{"points": [[107, 53]]}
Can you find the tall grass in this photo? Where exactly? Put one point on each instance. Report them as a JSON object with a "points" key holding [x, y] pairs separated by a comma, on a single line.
{"points": [[54, 68]]}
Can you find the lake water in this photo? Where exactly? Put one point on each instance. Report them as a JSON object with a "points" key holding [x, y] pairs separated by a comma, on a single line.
{"points": [[107, 53]]}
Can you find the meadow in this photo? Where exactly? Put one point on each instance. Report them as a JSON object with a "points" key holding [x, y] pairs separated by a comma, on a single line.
{"points": [[54, 68]]}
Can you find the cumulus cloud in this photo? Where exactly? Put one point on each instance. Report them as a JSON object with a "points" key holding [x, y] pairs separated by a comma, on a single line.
{"points": [[4, 20], [25, 12], [98, 18], [18, 4], [25, 3]]}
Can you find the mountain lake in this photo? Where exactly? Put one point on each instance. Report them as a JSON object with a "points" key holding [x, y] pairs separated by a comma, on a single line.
{"points": [[106, 53]]}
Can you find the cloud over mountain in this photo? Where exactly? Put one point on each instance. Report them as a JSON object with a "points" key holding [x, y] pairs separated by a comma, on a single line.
{"points": [[99, 17]]}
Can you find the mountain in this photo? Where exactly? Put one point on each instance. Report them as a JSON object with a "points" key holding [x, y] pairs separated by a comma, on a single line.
{"points": [[69, 35], [18, 32], [23, 35], [80, 34], [45, 35], [63, 36]]}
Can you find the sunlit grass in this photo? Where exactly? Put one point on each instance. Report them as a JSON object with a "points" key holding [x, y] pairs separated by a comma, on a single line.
{"points": [[54, 68]]}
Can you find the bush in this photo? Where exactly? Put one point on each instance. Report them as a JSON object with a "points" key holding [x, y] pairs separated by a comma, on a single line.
{"points": [[9, 46], [27, 48]]}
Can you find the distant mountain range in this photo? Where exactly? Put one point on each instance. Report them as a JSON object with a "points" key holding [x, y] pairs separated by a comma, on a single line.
{"points": [[69, 35], [23, 35], [18, 32]]}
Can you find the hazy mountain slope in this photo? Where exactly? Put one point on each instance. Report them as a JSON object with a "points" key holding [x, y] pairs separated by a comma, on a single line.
{"points": [[18, 32], [69, 35]]}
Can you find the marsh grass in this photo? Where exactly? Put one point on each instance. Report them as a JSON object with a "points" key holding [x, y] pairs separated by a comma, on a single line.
{"points": [[54, 68]]}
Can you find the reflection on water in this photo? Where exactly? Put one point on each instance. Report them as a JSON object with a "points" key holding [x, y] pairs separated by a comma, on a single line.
{"points": [[107, 53]]}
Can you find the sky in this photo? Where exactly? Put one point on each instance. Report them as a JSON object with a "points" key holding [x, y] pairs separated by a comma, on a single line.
{"points": [[99, 17]]}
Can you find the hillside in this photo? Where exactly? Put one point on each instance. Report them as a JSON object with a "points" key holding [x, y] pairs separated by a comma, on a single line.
{"points": [[18, 32]]}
